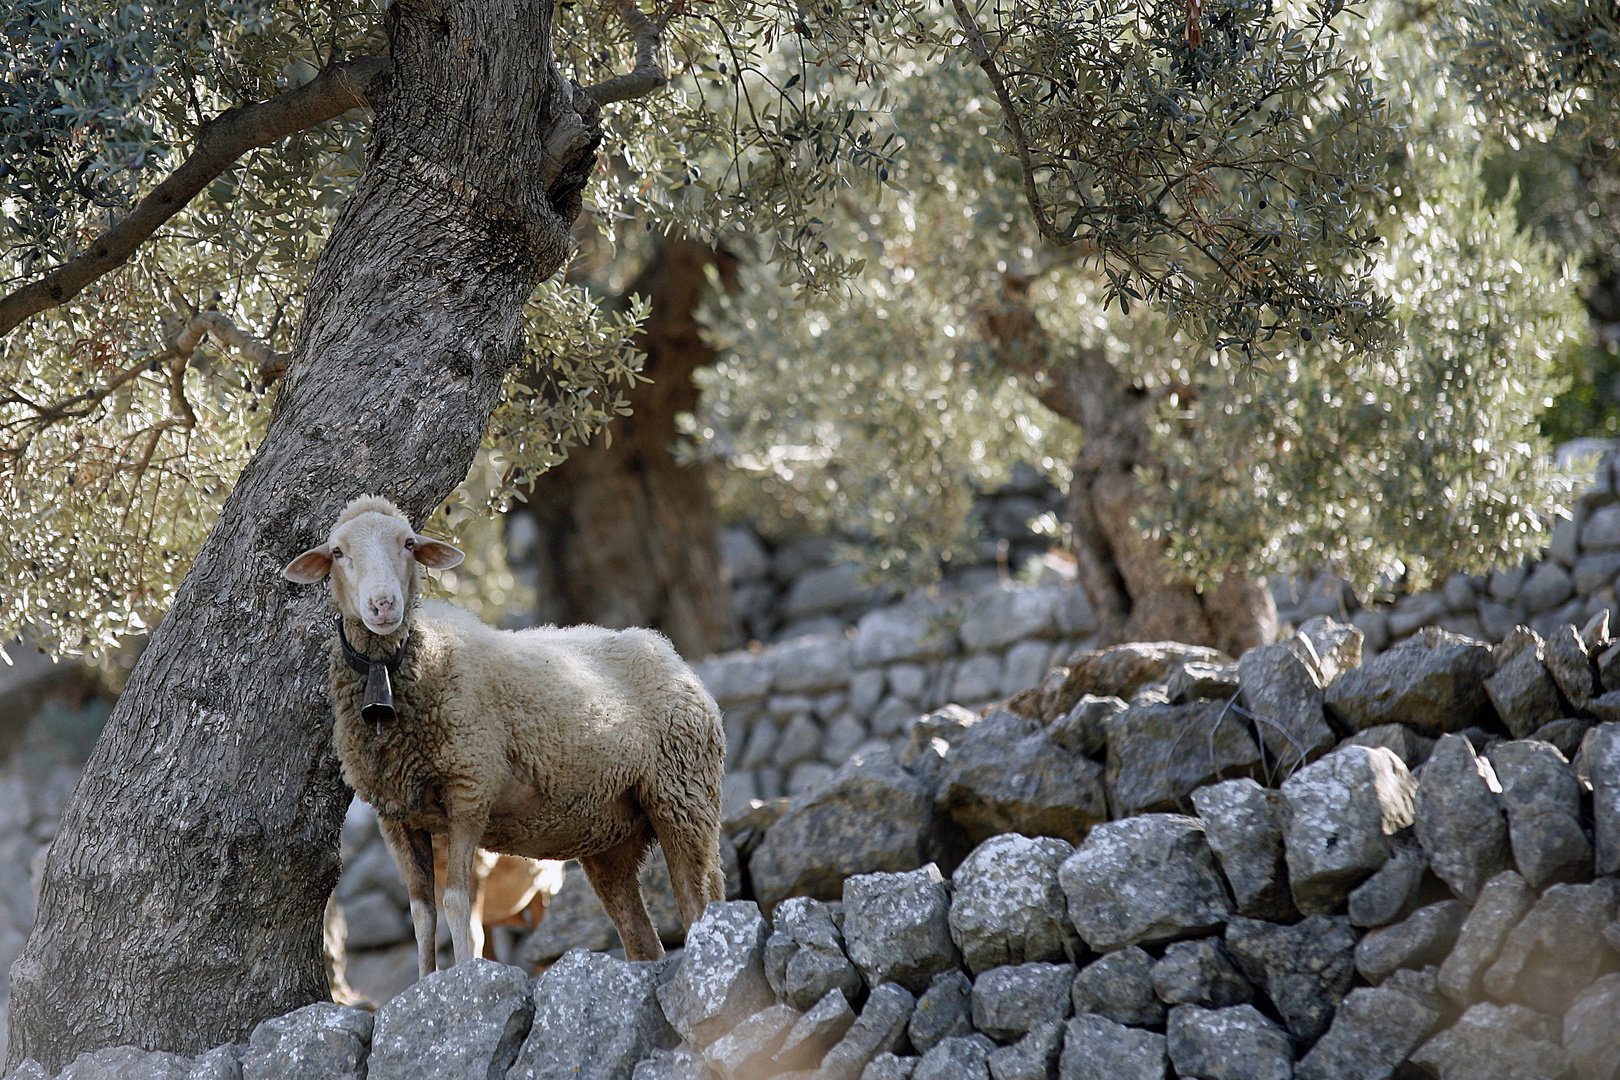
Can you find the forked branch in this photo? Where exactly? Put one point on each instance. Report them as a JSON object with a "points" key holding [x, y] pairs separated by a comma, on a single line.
{"points": [[1015, 125], [648, 75], [222, 141]]}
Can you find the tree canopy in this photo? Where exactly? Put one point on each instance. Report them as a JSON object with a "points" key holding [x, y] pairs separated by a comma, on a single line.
{"points": [[1261, 211]]}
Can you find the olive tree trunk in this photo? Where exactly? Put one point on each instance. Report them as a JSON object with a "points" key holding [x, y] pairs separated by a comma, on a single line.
{"points": [[627, 532], [183, 895], [1135, 589]]}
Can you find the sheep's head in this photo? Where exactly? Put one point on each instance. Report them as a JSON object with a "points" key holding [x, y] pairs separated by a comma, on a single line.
{"points": [[371, 556]]}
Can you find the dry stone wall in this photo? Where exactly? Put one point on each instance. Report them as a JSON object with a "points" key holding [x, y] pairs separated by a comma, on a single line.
{"points": [[1142, 889]]}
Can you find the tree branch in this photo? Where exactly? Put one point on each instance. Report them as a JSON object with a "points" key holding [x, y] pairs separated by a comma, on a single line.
{"points": [[221, 141], [648, 75], [175, 355], [1010, 117]]}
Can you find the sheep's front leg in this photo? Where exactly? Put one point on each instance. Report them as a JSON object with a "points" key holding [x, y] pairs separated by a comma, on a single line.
{"points": [[413, 851], [461, 851]]}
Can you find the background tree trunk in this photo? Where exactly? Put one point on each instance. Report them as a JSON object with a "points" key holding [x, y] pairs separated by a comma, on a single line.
{"points": [[183, 895], [1134, 588], [628, 535]]}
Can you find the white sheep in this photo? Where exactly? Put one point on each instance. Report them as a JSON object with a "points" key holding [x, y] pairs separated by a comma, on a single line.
{"points": [[550, 743]]}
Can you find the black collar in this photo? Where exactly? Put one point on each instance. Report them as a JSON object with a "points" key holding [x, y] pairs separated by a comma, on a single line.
{"points": [[361, 663]]}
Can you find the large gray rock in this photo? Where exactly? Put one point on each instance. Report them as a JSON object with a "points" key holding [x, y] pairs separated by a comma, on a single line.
{"points": [[1159, 754], [1557, 949], [1243, 823], [1408, 745], [871, 816], [467, 1021], [946, 1009], [1433, 682], [1282, 691], [1119, 672], [1522, 690], [1391, 894], [1600, 755], [1592, 1031], [1423, 938], [737, 676], [1235, 1043], [1084, 728], [1543, 803], [1337, 645], [1343, 813], [1009, 1001], [1460, 820], [1007, 906], [1003, 616], [1120, 987], [888, 1066], [828, 590], [961, 1057], [1034, 1057], [745, 1051], [595, 1017], [1304, 969], [1502, 903], [1144, 880], [804, 956], [1373, 1031], [681, 1063], [720, 977], [879, 1029], [1571, 667], [1006, 774], [1197, 681], [915, 629], [1492, 1042], [125, 1063], [896, 927], [1601, 529], [1096, 1048], [322, 1041], [1547, 586], [816, 1032], [1200, 973], [220, 1063], [372, 920], [812, 665]]}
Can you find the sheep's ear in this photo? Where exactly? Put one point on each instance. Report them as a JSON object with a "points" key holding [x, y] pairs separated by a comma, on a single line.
{"points": [[311, 566], [436, 553]]}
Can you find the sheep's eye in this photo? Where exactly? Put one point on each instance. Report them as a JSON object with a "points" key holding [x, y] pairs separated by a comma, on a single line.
{"points": [[409, 543], [337, 553]]}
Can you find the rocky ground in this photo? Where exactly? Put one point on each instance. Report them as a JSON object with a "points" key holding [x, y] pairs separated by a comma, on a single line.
{"points": [[1160, 862]]}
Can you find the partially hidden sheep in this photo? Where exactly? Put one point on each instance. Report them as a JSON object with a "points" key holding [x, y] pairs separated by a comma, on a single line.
{"points": [[548, 743]]}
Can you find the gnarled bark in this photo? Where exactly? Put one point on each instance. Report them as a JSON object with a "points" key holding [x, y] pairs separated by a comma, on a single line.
{"points": [[1134, 588], [183, 896], [628, 534]]}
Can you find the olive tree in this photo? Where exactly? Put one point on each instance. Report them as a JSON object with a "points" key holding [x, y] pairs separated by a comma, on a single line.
{"points": [[365, 210]]}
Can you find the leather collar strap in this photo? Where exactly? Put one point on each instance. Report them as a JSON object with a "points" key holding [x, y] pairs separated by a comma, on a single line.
{"points": [[361, 663], [377, 703]]}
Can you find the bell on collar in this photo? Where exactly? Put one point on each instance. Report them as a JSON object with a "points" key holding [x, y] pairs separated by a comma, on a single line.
{"points": [[378, 704]]}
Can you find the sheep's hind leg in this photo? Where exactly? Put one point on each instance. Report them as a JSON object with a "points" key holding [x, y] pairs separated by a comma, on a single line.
{"points": [[687, 822], [413, 851], [694, 871], [613, 874]]}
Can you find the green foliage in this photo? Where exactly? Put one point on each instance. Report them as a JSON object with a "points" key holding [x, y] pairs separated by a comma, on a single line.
{"points": [[1234, 186], [1416, 459], [1421, 461]]}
